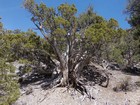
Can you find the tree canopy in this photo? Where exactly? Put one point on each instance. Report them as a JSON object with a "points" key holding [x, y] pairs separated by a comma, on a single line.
{"points": [[133, 9]]}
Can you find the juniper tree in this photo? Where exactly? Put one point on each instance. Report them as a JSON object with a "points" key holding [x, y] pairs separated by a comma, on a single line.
{"points": [[60, 29], [74, 40], [133, 11], [9, 88]]}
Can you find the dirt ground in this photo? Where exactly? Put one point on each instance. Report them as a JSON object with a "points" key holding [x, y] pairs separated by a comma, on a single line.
{"points": [[103, 96]]}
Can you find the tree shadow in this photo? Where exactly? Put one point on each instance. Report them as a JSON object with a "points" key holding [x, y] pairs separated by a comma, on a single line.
{"points": [[91, 75], [36, 77], [131, 71]]}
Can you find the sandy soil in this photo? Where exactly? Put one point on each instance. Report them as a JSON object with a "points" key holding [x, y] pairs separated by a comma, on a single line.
{"points": [[103, 96]]}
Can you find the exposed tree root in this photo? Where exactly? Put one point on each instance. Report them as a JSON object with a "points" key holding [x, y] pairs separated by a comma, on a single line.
{"points": [[83, 90], [74, 81], [55, 82]]}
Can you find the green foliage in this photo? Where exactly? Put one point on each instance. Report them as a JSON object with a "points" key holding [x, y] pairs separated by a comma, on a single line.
{"points": [[116, 56], [9, 89], [131, 48], [104, 30], [24, 61], [20, 46], [67, 11], [133, 9], [96, 32], [113, 43], [104, 37], [16, 46], [113, 24], [88, 18]]}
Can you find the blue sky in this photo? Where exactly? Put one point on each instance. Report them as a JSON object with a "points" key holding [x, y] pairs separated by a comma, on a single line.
{"points": [[14, 16]]}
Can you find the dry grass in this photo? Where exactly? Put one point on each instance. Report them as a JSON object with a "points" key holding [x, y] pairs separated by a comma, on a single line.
{"points": [[125, 86]]}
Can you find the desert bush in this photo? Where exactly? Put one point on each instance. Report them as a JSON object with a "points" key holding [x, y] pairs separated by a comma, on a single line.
{"points": [[9, 88], [125, 86]]}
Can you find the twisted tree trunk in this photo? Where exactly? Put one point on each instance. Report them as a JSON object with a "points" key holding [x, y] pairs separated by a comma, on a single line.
{"points": [[65, 73]]}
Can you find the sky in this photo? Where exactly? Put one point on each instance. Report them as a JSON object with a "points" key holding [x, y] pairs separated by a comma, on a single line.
{"points": [[14, 16]]}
